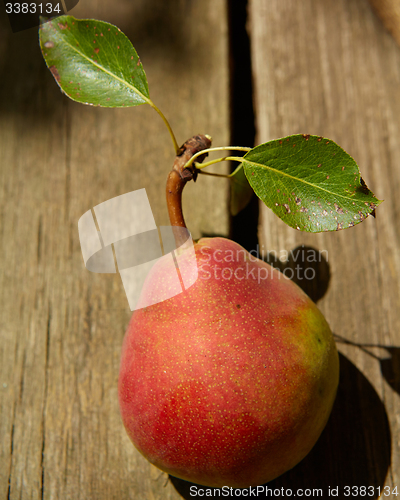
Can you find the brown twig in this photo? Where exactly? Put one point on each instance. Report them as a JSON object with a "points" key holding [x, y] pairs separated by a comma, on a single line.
{"points": [[179, 176]]}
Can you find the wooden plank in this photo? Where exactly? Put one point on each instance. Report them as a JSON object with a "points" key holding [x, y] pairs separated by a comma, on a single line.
{"points": [[61, 327], [330, 68]]}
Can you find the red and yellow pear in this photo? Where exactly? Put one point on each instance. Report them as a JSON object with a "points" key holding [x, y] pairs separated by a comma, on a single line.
{"points": [[231, 382]]}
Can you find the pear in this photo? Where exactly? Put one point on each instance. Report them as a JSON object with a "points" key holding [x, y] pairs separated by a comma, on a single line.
{"points": [[231, 382]]}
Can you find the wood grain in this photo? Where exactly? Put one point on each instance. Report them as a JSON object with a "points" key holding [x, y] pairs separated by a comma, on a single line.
{"points": [[329, 68], [321, 67], [61, 327]]}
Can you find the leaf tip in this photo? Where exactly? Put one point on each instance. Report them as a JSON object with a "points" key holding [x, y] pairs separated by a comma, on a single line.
{"points": [[43, 20]]}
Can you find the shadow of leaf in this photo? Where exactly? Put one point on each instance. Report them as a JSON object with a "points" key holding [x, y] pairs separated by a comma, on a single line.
{"points": [[390, 368], [307, 267], [353, 450]]}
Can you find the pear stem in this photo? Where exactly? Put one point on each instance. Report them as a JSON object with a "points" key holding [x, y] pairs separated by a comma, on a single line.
{"points": [[179, 176], [171, 133], [221, 148]]}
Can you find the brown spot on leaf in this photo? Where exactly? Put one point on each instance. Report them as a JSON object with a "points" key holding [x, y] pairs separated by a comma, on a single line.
{"points": [[298, 201], [303, 209], [342, 168], [97, 50], [287, 208], [63, 26], [327, 176], [338, 209], [306, 136], [339, 226], [319, 139], [55, 73], [49, 45], [319, 165]]}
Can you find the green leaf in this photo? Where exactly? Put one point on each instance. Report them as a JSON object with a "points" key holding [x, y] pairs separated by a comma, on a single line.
{"points": [[93, 62], [310, 183], [241, 191]]}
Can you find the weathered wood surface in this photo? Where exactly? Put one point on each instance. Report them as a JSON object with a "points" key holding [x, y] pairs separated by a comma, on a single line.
{"points": [[329, 68], [325, 67], [61, 327]]}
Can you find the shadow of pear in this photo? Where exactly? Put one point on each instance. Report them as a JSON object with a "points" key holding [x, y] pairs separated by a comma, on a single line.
{"points": [[353, 450]]}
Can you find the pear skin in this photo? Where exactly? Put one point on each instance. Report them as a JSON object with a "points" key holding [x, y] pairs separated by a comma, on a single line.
{"points": [[231, 382]]}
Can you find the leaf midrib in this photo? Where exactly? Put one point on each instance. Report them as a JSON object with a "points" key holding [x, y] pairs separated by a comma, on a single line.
{"points": [[315, 186]]}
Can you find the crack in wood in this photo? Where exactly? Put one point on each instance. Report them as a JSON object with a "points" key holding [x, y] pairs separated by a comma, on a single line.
{"points": [[46, 384], [11, 456], [39, 239], [68, 148]]}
